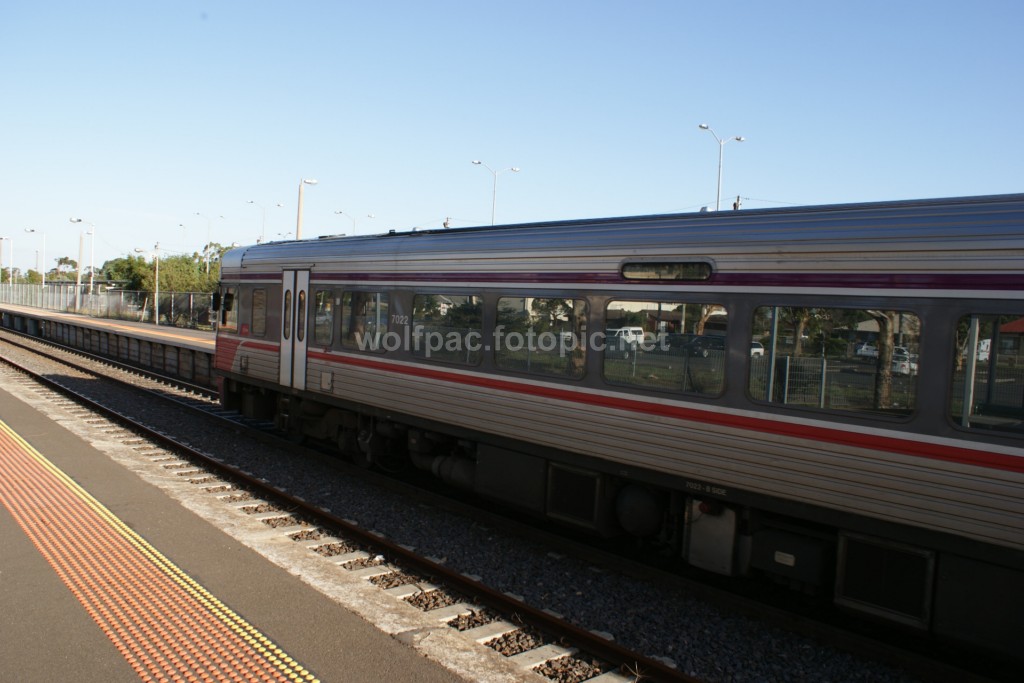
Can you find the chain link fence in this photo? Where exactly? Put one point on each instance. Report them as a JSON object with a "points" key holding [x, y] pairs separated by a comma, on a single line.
{"points": [[178, 309]]}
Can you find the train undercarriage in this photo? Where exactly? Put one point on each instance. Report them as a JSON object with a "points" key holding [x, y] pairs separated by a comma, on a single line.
{"points": [[880, 571]]}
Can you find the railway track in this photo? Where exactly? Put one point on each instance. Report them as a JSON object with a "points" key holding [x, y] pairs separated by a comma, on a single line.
{"points": [[530, 636]]}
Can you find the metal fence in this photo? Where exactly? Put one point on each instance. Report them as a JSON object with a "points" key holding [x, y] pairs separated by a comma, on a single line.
{"points": [[178, 309]]}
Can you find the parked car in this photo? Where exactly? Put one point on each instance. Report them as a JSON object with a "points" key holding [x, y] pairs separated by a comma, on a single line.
{"points": [[756, 349], [984, 350], [866, 350], [904, 364], [621, 342], [702, 346], [634, 335]]}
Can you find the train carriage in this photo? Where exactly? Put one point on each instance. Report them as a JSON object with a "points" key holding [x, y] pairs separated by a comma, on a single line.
{"points": [[493, 358]]}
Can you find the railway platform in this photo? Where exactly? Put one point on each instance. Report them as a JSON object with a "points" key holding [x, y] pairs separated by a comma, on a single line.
{"points": [[173, 351], [104, 577]]}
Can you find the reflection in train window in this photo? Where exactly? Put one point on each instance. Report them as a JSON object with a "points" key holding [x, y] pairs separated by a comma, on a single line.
{"points": [[364, 320], [259, 312], [988, 376], [666, 345], [300, 316], [229, 312], [286, 318], [647, 270], [323, 317], [447, 327], [840, 359], [541, 336]]}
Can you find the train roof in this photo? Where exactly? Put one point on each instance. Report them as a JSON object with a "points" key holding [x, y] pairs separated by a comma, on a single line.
{"points": [[984, 233]]}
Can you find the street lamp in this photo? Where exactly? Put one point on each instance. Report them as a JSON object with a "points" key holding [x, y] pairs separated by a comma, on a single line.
{"points": [[156, 282], [342, 213], [263, 224], [43, 269], [207, 226], [721, 150], [92, 250], [494, 191], [298, 219], [209, 240], [2, 261], [11, 262]]}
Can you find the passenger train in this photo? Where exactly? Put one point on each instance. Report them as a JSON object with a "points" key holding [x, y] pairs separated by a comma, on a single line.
{"points": [[696, 381]]}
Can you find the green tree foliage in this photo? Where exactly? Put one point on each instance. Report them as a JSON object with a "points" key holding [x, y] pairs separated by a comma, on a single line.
{"points": [[131, 272], [67, 269], [178, 272]]}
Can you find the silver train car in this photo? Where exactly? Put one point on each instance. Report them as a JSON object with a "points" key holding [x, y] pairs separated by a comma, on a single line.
{"points": [[831, 397]]}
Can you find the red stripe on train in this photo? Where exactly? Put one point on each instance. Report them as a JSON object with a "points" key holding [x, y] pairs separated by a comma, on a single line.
{"points": [[764, 425]]}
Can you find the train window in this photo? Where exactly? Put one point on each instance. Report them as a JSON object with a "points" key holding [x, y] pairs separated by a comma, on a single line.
{"points": [[323, 317], [364, 320], [541, 336], [666, 345], [986, 376], [229, 312], [447, 327], [840, 359], [286, 318], [259, 312], [300, 316], [692, 270]]}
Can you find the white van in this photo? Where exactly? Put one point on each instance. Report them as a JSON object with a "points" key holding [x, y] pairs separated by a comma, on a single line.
{"points": [[621, 341], [631, 335], [984, 348]]}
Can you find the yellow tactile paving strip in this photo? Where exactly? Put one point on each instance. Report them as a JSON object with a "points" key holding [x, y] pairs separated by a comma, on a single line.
{"points": [[168, 627]]}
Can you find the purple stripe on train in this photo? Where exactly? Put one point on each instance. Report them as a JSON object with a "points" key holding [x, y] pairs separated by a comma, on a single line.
{"points": [[968, 281]]}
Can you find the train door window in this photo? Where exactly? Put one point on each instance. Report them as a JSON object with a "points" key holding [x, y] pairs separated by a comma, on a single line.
{"points": [[364, 320], [259, 312], [541, 336], [447, 327], [300, 319], [286, 318], [323, 317], [676, 346], [839, 359], [988, 376], [229, 312]]}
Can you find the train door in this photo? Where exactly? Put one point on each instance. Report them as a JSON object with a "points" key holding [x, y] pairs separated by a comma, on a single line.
{"points": [[295, 303]]}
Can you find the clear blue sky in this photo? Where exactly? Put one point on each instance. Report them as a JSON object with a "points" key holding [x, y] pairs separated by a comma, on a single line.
{"points": [[137, 115]]}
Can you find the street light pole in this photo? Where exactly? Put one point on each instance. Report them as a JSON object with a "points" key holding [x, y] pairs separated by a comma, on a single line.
{"points": [[42, 269], [92, 251], [209, 240], [494, 189], [721, 153], [2, 259], [263, 224], [342, 213], [207, 228], [156, 282], [298, 218]]}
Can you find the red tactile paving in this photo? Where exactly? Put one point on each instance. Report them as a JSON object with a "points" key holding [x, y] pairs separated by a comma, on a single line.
{"points": [[168, 627]]}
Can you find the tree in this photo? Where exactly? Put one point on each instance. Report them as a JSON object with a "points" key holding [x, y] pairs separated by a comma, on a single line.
{"points": [[887, 323], [178, 273], [133, 271], [67, 268]]}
